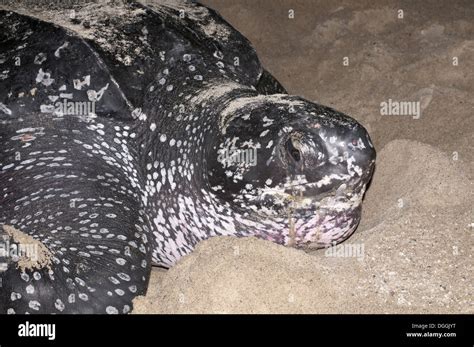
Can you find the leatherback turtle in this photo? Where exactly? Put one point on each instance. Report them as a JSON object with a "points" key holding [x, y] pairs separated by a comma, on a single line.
{"points": [[131, 131]]}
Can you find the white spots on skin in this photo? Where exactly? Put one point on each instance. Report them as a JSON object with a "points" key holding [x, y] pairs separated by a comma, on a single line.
{"points": [[15, 296], [267, 121], [353, 169], [218, 54], [39, 58], [136, 113], [114, 280], [78, 84], [4, 75], [359, 145], [111, 310], [5, 109], [124, 276], [58, 51], [44, 78], [66, 95], [83, 296], [34, 305], [47, 108], [327, 179], [144, 37], [59, 305]]}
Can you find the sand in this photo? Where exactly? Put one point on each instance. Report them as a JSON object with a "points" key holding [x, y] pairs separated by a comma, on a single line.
{"points": [[413, 251], [30, 253]]}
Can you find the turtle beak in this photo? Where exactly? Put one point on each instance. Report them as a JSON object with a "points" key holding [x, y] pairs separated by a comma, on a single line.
{"points": [[358, 155]]}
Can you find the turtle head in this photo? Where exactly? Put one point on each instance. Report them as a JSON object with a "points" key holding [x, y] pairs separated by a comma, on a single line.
{"points": [[299, 166]]}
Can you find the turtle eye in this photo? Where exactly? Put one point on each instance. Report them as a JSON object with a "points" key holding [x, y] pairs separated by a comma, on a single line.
{"points": [[293, 152]]}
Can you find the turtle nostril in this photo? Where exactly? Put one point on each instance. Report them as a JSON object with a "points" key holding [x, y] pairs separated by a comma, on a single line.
{"points": [[292, 150]]}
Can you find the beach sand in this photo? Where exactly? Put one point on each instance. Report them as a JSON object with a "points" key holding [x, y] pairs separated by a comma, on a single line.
{"points": [[413, 251]]}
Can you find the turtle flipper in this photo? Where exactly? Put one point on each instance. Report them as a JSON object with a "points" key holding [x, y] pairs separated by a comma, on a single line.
{"points": [[70, 194], [267, 84]]}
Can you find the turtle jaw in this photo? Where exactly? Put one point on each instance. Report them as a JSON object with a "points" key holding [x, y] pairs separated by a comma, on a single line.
{"points": [[310, 217], [311, 221], [326, 229], [313, 228], [320, 222]]}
